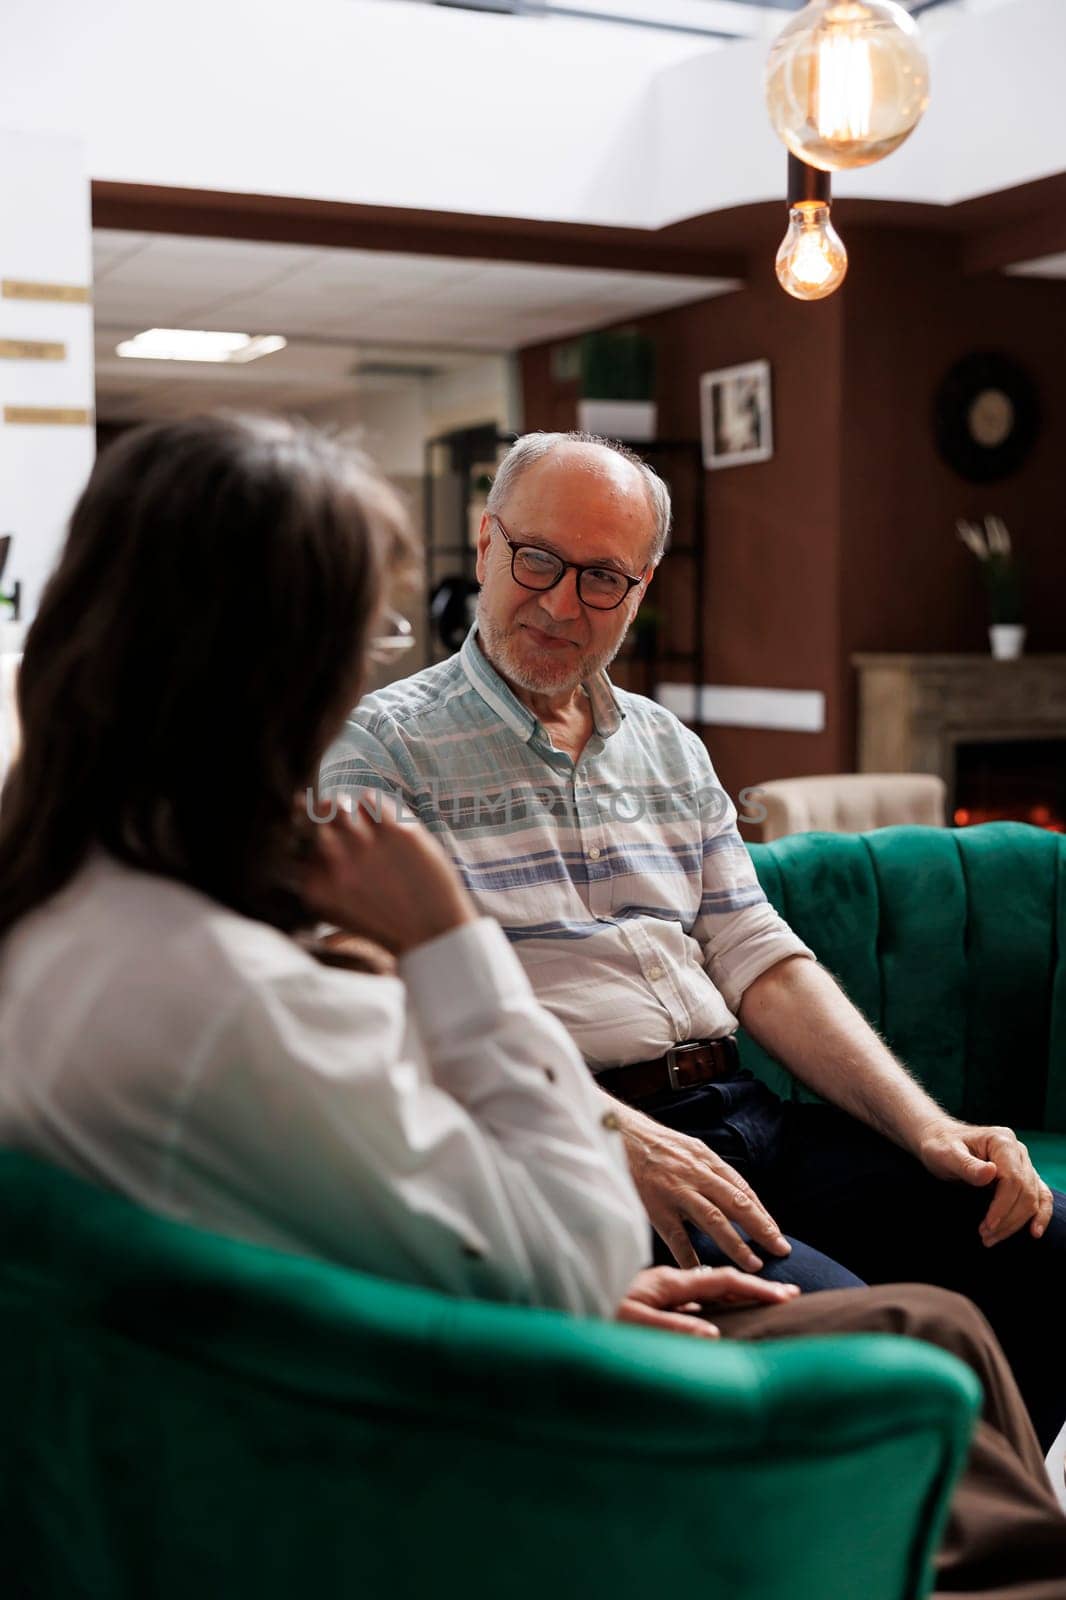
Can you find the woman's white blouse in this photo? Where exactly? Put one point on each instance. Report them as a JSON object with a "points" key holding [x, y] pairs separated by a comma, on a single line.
{"points": [[438, 1127]]}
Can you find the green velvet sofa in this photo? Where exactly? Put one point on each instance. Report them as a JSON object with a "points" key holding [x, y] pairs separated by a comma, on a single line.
{"points": [[953, 943], [185, 1416]]}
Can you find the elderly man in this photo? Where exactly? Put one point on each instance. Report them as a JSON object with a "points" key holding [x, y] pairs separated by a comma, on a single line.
{"points": [[590, 823]]}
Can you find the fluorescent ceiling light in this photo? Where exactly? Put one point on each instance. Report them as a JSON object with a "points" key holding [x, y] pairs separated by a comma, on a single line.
{"points": [[196, 344]]}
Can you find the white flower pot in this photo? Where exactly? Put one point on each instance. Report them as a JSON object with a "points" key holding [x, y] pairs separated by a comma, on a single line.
{"points": [[618, 419], [1007, 640]]}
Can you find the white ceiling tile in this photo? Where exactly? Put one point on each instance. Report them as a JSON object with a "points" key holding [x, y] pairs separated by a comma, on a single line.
{"points": [[332, 304], [203, 269], [285, 309], [136, 305], [110, 246], [384, 272]]}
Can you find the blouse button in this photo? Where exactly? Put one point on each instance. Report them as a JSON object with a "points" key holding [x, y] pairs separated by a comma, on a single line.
{"points": [[655, 973], [610, 1121]]}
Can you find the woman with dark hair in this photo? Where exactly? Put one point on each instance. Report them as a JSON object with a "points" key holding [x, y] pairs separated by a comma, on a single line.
{"points": [[164, 1032], [166, 1029]]}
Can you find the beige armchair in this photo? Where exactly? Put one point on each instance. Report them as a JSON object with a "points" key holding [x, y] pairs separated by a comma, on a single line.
{"points": [[848, 802]]}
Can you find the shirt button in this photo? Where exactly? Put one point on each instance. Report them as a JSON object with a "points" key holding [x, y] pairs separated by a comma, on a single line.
{"points": [[594, 852], [610, 1122], [655, 973]]}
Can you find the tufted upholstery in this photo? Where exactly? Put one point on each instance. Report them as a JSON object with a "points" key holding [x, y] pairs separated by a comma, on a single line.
{"points": [[186, 1415], [850, 802], [953, 944]]}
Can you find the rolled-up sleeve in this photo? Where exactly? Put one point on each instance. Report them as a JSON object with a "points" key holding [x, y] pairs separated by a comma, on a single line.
{"points": [[738, 930], [366, 756]]}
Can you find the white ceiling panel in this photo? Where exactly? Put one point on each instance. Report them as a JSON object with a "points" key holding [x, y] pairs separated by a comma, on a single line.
{"points": [[192, 271], [111, 245], [288, 313], [656, 293], [136, 308], [517, 287], [383, 271], [335, 307]]}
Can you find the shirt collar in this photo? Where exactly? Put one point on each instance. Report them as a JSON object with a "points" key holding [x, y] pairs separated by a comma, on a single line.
{"points": [[607, 714]]}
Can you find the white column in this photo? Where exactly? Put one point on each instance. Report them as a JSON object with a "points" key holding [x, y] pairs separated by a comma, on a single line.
{"points": [[45, 258]]}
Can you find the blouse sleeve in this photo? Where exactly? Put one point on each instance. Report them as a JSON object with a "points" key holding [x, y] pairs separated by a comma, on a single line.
{"points": [[439, 1128]]}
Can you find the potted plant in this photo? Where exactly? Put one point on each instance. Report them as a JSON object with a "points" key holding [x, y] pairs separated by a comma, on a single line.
{"points": [[617, 375], [990, 542]]}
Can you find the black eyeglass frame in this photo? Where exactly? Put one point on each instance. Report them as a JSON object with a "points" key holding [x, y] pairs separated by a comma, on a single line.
{"points": [[564, 568]]}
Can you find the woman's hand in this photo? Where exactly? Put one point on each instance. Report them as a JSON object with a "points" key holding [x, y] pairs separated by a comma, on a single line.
{"points": [[674, 1297], [381, 878]]}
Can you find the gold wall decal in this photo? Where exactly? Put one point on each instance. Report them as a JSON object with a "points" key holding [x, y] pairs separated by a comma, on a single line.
{"points": [[49, 416], [31, 350], [22, 289]]}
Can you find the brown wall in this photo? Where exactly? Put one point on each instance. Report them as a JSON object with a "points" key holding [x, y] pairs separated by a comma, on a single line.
{"points": [[845, 540], [907, 582]]}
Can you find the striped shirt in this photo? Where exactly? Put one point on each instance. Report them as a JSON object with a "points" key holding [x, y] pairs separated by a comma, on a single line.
{"points": [[621, 881]]}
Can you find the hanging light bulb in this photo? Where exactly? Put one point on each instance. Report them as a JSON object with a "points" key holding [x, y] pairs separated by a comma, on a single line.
{"points": [[812, 260], [846, 82]]}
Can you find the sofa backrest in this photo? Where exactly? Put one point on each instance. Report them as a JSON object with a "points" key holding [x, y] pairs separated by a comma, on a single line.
{"points": [[184, 1414], [953, 944]]}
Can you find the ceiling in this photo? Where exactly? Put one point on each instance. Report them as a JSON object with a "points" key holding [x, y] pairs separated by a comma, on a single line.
{"points": [[340, 310], [706, 19]]}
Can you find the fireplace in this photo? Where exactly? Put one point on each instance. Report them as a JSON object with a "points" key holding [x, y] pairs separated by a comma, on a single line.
{"points": [[995, 731], [1010, 780]]}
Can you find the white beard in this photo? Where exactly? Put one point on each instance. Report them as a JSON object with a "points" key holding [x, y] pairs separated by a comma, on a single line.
{"points": [[543, 676]]}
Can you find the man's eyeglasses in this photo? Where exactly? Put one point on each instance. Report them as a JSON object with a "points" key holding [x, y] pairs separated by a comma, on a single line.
{"points": [[601, 588]]}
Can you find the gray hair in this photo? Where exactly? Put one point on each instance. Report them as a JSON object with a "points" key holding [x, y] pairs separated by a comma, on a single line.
{"points": [[533, 447]]}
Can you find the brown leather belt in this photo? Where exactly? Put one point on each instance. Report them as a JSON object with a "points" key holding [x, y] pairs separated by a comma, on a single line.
{"points": [[685, 1066]]}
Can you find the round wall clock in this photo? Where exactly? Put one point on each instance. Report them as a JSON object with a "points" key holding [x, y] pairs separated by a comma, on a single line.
{"points": [[986, 416]]}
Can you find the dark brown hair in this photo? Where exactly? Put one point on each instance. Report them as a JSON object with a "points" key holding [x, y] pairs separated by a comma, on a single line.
{"points": [[196, 648]]}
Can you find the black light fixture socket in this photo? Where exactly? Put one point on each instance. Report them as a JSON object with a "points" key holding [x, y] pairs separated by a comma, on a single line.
{"points": [[806, 184]]}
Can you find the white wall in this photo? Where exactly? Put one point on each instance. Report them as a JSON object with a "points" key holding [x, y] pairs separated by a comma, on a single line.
{"points": [[44, 238]]}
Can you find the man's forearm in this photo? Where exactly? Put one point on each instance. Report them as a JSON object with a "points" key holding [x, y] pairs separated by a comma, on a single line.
{"points": [[800, 1015]]}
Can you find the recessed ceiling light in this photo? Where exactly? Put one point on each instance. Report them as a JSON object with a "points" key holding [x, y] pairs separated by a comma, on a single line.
{"points": [[198, 344]]}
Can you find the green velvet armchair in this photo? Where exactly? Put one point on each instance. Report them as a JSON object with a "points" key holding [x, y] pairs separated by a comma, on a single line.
{"points": [[186, 1416], [953, 943]]}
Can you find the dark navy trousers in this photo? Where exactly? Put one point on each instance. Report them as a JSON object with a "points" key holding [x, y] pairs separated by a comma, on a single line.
{"points": [[859, 1210]]}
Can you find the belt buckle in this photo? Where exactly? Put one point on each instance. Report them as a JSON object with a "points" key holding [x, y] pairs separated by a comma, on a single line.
{"points": [[673, 1071]]}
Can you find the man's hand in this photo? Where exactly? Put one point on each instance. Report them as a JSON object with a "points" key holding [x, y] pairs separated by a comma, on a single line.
{"points": [[982, 1156], [680, 1180], [665, 1297]]}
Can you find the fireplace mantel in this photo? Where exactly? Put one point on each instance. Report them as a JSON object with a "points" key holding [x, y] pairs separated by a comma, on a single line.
{"points": [[914, 709]]}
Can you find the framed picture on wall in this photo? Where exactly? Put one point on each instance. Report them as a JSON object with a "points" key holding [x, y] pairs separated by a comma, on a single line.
{"points": [[736, 416]]}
